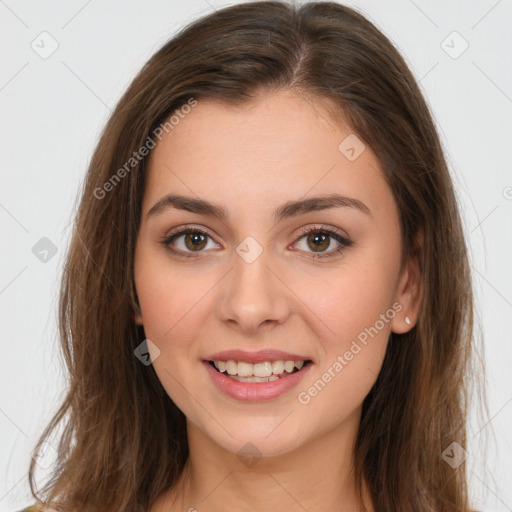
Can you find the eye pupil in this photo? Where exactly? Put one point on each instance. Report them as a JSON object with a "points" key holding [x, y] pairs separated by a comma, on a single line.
{"points": [[319, 240], [195, 240]]}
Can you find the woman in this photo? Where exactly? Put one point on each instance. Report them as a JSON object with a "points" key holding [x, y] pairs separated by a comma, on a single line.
{"points": [[267, 301]]}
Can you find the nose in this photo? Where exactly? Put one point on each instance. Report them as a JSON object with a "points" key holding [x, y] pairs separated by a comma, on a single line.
{"points": [[253, 296]]}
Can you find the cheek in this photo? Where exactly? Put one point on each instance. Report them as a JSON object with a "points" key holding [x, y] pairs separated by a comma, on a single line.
{"points": [[170, 301], [351, 356], [169, 297], [353, 309], [346, 301]]}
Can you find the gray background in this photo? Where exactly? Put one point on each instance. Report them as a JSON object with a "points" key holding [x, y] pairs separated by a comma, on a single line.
{"points": [[52, 110]]}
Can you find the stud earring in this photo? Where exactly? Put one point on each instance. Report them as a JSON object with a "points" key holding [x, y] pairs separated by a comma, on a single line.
{"points": [[407, 320]]}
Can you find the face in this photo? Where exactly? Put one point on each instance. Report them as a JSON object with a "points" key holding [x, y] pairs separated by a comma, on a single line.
{"points": [[319, 282]]}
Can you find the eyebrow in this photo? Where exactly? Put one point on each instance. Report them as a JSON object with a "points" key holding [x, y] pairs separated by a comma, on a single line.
{"points": [[288, 209]]}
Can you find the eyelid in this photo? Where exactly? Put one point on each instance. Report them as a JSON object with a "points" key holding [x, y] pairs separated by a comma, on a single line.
{"points": [[322, 227], [188, 228]]}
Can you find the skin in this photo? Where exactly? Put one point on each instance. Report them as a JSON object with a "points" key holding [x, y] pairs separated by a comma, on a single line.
{"points": [[251, 160]]}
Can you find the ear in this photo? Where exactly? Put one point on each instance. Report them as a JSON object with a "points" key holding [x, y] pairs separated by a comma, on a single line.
{"points": [[409, 290]]}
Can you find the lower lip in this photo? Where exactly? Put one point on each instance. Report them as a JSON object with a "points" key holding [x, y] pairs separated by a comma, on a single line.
{"points": [[255, 391]]}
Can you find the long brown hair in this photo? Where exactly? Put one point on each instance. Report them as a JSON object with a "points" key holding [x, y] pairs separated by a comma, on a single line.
{"points": [[124, 440]]}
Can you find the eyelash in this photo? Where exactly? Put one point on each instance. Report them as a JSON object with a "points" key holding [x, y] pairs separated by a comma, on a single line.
{"points": [[344, 241]]}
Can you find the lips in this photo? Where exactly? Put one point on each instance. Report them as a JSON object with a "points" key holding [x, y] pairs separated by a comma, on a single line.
{"points": [[255, 391], [256, 357]]}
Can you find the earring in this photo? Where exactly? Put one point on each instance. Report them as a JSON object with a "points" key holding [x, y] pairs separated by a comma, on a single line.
{"points": [[407, 320]]}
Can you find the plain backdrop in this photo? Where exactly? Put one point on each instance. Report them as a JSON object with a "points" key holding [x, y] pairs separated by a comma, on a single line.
{"points": [[64, 65]]}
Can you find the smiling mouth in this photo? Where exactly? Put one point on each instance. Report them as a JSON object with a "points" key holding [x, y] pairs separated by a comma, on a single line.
{"points": [[267, 371]]}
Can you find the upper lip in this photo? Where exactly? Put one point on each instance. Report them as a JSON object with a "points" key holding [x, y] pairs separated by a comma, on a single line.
{"points": [[255, 357]]}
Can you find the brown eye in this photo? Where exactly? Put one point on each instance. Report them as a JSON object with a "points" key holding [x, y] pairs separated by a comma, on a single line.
{"points": [[195, 241], [187, 241], [318, 240]]}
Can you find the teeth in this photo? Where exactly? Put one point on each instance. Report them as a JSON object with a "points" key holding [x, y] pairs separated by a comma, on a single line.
{"points": [[231, 367], [277, 367], [255, 379], [289, 366], [262, 370]]}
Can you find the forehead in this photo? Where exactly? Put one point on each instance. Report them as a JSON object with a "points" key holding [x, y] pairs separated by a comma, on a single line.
{"points": [[255, 154]]}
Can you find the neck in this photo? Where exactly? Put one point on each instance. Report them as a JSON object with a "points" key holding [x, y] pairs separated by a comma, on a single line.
{"points": [[317, 476]]}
